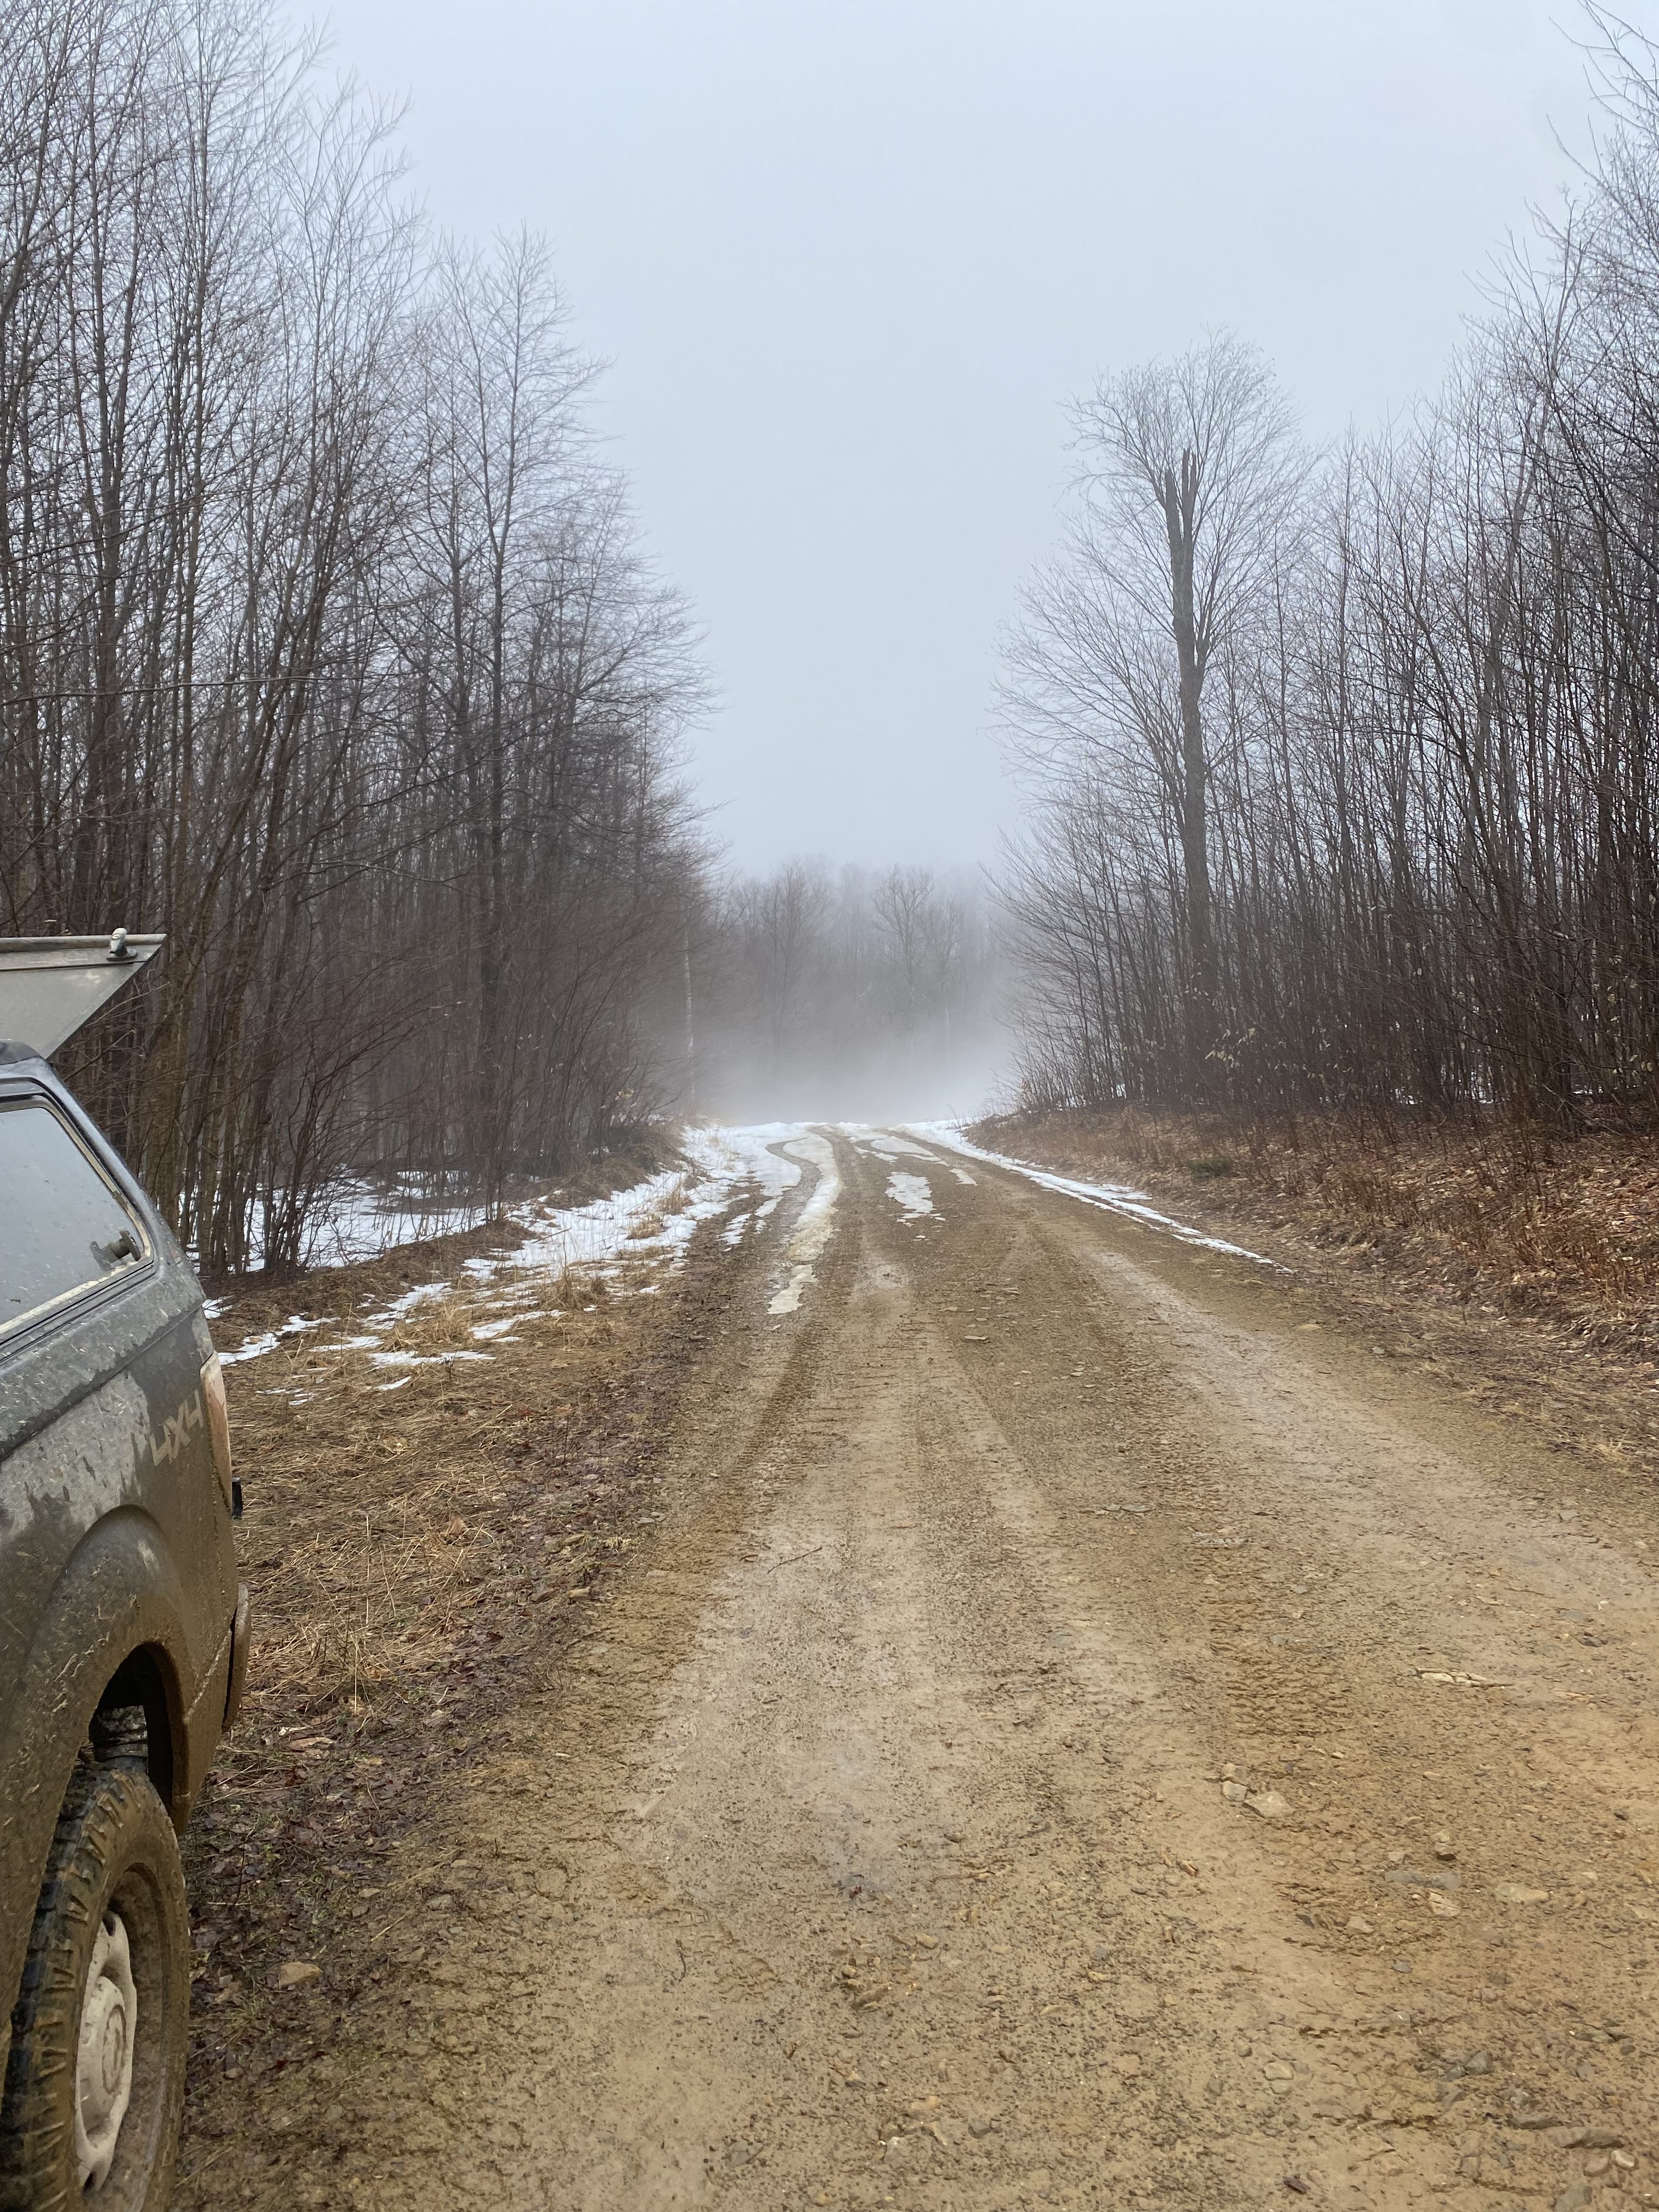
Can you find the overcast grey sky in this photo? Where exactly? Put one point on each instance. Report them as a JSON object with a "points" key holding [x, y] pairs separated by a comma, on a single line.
{"points": [[847, 258]]}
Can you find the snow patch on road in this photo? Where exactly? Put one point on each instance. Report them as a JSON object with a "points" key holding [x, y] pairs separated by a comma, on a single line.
{"points": [[1111, 1198], [887, 1144], [911, 1194], [811, 1231]]}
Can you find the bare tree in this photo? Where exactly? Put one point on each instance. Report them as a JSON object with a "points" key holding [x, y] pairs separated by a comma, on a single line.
{"points": [[904, 902], [1189, 473]]}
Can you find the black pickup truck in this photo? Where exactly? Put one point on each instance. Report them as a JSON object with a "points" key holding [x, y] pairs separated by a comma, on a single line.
{"points": [[123, 1633]]}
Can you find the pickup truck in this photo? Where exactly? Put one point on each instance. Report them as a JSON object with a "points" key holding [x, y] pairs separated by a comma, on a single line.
{"points": [[124, 1632]]}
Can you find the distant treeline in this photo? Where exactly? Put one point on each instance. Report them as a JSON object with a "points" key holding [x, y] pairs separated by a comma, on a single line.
{"points": [[1347, 766], [325, 646], [853, 994]]}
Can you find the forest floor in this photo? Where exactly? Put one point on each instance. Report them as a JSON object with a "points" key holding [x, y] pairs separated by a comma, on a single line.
{"points": [[957, 1698]]}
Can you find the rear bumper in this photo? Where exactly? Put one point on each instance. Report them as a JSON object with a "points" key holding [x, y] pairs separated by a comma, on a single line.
{"points": [[237, 1681]]}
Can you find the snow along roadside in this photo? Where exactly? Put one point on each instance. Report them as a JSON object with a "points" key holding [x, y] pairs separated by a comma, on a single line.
{"points": [[1111, 1198], [653, 1220]]}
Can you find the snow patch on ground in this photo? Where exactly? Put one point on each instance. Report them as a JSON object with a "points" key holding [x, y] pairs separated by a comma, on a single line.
{"points": [[355, 1221], [252, 1347], [424, 1359], [397, 1307], [1112, 1198], [594, 1236], [652, 1221]]}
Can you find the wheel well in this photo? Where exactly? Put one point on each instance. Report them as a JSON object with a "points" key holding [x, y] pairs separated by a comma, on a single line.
{"points": [[140, 1680]]}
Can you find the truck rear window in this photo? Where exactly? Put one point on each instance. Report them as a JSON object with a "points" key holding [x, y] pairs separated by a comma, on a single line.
{"points": [[64, 1226]]}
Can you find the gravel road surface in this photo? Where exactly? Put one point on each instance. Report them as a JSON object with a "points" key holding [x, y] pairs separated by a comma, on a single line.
{"points": [[1087, 1729]]}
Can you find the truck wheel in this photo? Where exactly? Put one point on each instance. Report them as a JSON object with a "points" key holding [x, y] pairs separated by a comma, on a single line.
{"points": [[95, 2076]]}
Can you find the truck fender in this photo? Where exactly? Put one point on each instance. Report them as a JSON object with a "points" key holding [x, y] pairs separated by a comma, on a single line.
{"points": [[116, 1611]]}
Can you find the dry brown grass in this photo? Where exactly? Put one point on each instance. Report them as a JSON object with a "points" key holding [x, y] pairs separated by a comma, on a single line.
{"points": [[372, 1476]]}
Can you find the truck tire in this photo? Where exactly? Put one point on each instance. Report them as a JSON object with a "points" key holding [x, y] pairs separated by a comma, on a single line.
{"points": [[95, 2076]]}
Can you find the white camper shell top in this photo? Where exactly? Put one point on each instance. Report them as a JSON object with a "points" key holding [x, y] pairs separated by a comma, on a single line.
{"points": [[50, 986]]}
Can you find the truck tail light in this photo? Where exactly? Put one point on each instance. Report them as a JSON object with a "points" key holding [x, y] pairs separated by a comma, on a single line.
{"points": [[218, 1417]]}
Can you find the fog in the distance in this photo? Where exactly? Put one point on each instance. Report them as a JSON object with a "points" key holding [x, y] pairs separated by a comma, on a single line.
{"points": [[849, 995]]}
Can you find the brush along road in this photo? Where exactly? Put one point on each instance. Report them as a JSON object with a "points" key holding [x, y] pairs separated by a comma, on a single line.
{"points": [[1083, 1731]]}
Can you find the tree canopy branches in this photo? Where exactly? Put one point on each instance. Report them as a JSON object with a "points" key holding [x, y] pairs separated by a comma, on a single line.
{"points": [[1385, 789], [326, 642]]}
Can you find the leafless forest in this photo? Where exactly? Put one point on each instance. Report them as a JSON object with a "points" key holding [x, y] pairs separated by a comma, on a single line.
{"points": [[328, 648], [1346, 765]]}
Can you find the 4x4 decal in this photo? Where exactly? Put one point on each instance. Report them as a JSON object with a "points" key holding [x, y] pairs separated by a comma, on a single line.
{"points": [[176, 1432]]}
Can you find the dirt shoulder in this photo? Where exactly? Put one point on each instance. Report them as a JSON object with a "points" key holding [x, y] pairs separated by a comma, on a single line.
{"points": [[1527, 1279]]}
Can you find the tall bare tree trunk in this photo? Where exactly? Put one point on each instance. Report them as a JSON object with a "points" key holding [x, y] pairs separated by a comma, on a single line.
{"points": [[1180, 517]]}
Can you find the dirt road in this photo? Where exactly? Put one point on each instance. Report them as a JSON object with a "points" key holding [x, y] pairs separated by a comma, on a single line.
{"points": [[1085, 1731]]}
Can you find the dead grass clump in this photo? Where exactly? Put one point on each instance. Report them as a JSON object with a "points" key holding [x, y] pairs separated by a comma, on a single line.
{"points": [[435, 1327], [656, 1219]]}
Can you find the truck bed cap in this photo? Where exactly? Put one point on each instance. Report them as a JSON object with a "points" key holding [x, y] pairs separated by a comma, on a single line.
{"points": [[50, 986]]}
